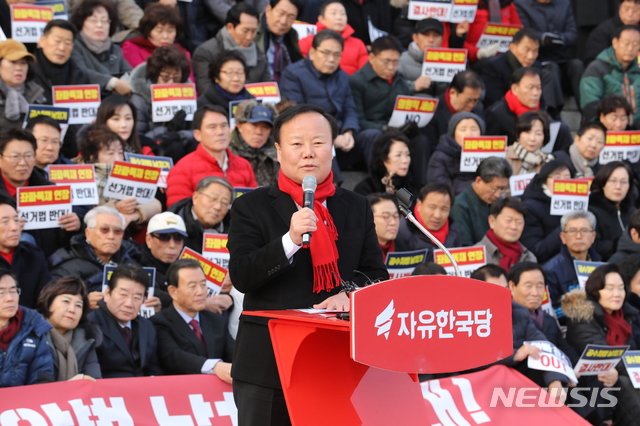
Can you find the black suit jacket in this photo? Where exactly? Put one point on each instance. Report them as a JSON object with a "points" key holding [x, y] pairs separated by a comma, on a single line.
{"points": [[115, 358], [260, 269], [180, 351]]}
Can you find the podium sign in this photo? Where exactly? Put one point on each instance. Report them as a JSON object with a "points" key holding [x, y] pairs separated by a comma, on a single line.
{"points": [[413, 324]]}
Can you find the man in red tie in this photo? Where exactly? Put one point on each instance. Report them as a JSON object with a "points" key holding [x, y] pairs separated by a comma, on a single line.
{"points": [[192, 340]]}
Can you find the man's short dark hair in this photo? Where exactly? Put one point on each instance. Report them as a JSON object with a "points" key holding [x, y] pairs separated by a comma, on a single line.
{"points": [[326, 4], [326, 35], [488, 270], [465, 79], [233, 15], [592, 125], [625, 28], [386, 43], [290, 113], [16, 134], [173, 273], [612, 103], [60, 23], [439, 187], [630, 266], [42, 119], [4, 272], [198, 116], [520, 268], [429, 268], [511, 202], [378, 197], [520, 73], [529, 33], [297, 3], [634, 221], [131, 272], [494, 167]]}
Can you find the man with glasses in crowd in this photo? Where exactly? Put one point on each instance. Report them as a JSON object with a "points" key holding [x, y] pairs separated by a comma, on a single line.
{"points": [[387, 220], [47, 132]]}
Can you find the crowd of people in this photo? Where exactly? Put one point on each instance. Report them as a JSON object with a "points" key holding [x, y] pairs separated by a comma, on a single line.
{"points": [[338, 88]]}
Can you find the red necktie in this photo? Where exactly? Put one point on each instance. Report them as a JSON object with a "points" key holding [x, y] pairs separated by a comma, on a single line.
{"points": [[127, 336], [196, 329]]}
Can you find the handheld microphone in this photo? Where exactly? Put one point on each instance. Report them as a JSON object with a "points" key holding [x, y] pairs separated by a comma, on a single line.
{"points": [[308, 191]]}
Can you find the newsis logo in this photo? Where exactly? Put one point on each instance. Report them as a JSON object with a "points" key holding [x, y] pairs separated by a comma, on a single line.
{"points": [[577, 397], [384, 320]]}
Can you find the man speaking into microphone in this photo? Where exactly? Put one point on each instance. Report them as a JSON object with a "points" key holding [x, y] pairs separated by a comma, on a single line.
{"points": [[270, 265]]}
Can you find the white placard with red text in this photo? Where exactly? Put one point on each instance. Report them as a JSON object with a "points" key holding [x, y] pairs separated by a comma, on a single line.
{"points": [[437, 9], [474, 150], [28, 21], [631, 361], [468, 258], [164, 163], [552, 359], [304, 29], [569, 195], [463, 10], [168, 99], [42, 206], [498, 33], [267, 91], [82, 100], [597, 359], [443, 64], [81, 178], [412, 108], [214, 273], [214, 248], [519, 183], [128, 180], [621, 146]]}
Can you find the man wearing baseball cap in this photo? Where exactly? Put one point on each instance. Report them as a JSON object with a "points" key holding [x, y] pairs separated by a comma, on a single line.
{"points": [[165, 239], [17, 87], [251, 139]]}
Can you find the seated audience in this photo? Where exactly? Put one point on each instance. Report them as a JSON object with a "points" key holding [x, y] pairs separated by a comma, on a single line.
{"points": [[205, 210], [577, 235], [251, 139], [600, 38], [128, 19], [333, 16], [386, 219], [18, 87], [47, 132], [192, 340], [629, 269], [470, 209], [390, 163], [629, 242], [228, 75], [583, 155], [614, 112], [276, 36], [541, 229], [531, 134], [238, 33], [369, 18], [129, 347], [429, 268], [212, 157], [444, 165], [611, 200], [26, 359], [615, 71], [492, 274], [432, 211], [93, 49], [599, 315], [506, 222], [73, 339]]}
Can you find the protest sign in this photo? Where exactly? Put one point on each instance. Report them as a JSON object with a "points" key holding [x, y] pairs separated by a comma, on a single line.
{"points": [[132, 180], [42, 206], [164, 163], [304, 29], [598, 359], [214, 248], [437, 9], [583, 270], [28, 21], [82, 180], [631, 361], [498, 33], [60, 114], [519, 183], [468, 258], [621, 146], [463, 10], [443, 64], [569, 195], [214, 274], [402, 263], [552, 359], [82, 100], [267, 91], [167, 99], [474, 150], [59, 8], [412, 108]]}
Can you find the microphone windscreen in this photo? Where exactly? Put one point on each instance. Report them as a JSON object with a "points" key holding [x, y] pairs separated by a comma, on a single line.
{"points": [[309, 184]]}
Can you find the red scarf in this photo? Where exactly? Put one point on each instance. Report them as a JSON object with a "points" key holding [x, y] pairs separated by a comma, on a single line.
{"points": [[510, 252], [619, 328], [8, 333], [324, 253], [441, 234], [447, 98], [515, 106], [390, 247]]}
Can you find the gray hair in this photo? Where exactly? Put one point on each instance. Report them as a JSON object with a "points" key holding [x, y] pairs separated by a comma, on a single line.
{"points": [[578, 214], [90, 218], [494, 167], [206, 181]]}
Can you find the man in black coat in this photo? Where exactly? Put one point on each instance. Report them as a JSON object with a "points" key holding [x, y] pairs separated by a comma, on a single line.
{"points": [[276, 36], [600, 38], [192, 340], [270, 266], [129, 348]]}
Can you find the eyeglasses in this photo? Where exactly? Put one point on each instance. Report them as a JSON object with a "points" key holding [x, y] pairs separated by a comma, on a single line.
{"points": [[215, 200], [498, 190], [29, 157], [618, 182], [165, 238], [572, 232], [11, 291], [118, 232], [168, 78], [389, 62], [327, 53], [96, 21], [388, 216], [232, 74]]}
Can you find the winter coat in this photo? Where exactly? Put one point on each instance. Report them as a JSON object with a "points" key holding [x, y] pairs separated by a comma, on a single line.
{"points": [[600, 38], [141, 98], [207, 53], [496, 75], [605, 76], [626, 247], [555, 17], [303, 83], [509, 16], [354, 53], [211, 96], [553, 334], [100, 67], [541, 233], [77, 75], [80, 261], [34, 94], [372, 184], [411, 68], [160, 285], [494, 255], [565, 158], [185, 175], [611, 223], [444, 166], [29, 265], [290, 39], [561, 276], [471, 216], [27, 360], [411, 238], [360, 12], [86, 338], [264, 161], [374, 97], [195, 230], [137, 50]]}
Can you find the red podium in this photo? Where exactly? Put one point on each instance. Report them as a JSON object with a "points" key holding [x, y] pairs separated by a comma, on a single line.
{"points": [[355, 373]]}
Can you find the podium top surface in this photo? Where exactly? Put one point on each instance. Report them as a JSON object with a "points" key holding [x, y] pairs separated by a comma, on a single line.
{"points": [[327, 319]]}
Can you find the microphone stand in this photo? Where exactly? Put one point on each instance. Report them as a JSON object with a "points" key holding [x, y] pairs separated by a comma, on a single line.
{"points": [[404, 203]]}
